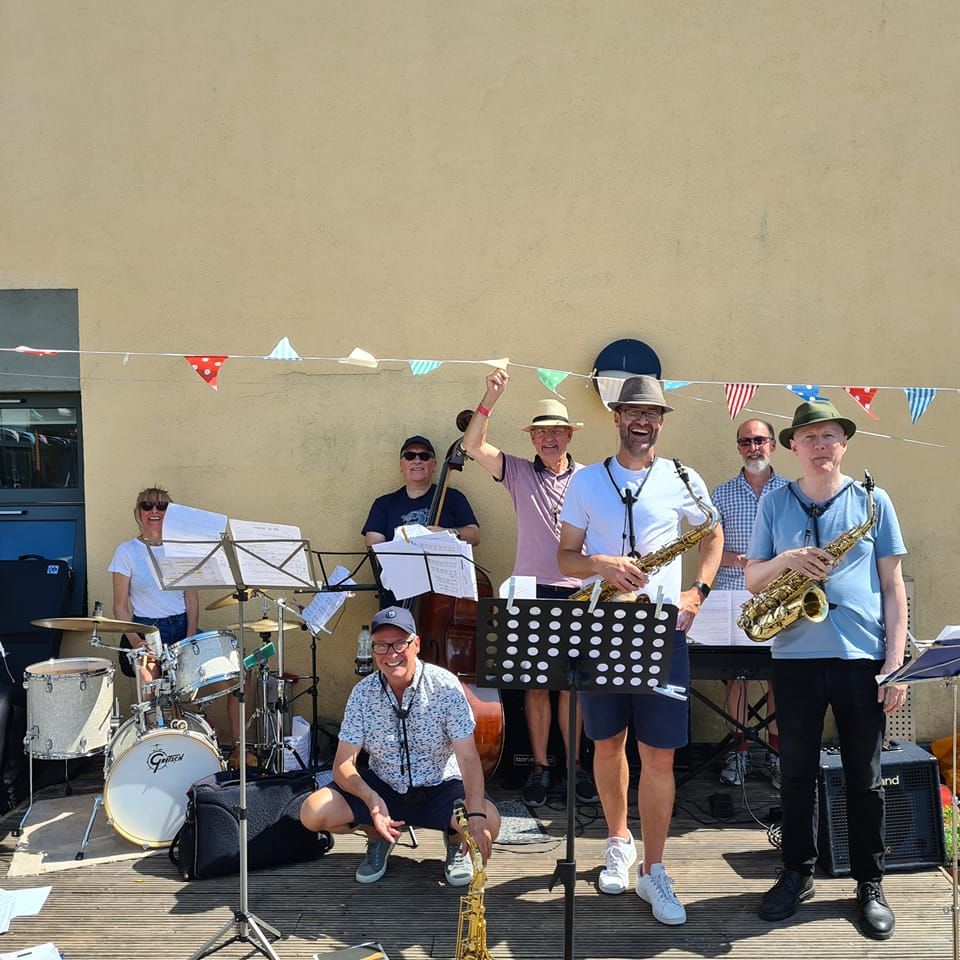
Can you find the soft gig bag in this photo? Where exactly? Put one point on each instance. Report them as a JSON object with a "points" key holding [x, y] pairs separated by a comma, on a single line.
{"points": [[208, 844]]}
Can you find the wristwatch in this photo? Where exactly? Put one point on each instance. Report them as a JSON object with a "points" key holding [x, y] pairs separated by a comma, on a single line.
{"points": [[702, 587]]}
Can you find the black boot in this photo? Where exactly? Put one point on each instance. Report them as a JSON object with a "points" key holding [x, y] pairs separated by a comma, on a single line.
{"points": [[780, 901], [876, 917]]}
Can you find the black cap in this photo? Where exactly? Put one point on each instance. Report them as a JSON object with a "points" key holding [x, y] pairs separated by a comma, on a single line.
{"points": [[417, 441], [394, 617]]}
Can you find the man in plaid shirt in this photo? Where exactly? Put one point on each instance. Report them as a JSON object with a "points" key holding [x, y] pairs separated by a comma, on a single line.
{"points": [[737, 500]]}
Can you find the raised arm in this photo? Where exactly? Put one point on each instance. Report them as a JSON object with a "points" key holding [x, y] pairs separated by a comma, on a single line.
{"points": [[475, 438]]}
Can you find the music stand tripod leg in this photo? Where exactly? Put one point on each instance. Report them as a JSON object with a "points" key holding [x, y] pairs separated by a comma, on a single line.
{"points": [[97, 803], [566, 869]]}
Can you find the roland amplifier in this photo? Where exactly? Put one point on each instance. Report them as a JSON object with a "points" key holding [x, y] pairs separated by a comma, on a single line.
{"points": [[914, 822]]}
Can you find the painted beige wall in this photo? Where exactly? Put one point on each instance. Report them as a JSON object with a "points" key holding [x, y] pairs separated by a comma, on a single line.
{"points": [[762, 191]]}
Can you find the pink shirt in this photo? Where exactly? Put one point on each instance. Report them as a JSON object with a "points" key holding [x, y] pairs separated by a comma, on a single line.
{"points": [[537, 499]]}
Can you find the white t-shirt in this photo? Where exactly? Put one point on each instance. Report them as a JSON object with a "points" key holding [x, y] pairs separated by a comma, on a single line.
{"points": [[146, 598], [592, 504]]}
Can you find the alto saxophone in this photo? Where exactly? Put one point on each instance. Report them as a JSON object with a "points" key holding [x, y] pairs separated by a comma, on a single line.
{"points": [[793, 595], [472, 925], [651, 563]]}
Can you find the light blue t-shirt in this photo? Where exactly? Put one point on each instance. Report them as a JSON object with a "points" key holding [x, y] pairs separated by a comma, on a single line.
{"points": [[854, 629]]}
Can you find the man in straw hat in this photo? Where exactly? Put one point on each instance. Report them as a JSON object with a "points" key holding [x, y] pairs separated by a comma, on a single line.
{"points": [[537, 487], [834, 662], [599, 537]]}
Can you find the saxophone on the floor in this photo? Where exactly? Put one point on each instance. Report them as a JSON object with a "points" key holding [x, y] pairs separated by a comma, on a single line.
{"points": [[651, 563], [472, 926], [792, 595]]}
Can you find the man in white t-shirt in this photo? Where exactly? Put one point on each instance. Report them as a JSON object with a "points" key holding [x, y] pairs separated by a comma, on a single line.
{"points": [[614, 511]]}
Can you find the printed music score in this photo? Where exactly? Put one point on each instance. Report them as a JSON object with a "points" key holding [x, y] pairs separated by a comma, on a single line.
{"points": [[428, 563], [716, 623]]}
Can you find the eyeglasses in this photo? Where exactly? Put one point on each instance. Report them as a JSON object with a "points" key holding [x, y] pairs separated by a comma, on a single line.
{"points": [[631, 413], [746, 442], [153, 505], [549, 431], [417, 455], [381, 647]]}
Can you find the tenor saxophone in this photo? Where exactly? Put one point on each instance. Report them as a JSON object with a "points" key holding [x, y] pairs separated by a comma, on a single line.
{"points": [[472, 925], [793, 595], [651, 563]]}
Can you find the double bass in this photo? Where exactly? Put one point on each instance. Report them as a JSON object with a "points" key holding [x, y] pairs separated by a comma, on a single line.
{"points": [[448, 628]]}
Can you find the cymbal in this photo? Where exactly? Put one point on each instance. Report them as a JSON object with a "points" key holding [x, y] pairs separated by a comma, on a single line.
{"points": [[89, 624], [229, 600], [264, 626]]}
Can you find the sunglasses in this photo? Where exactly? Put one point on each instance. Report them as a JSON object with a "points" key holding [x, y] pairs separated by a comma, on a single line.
{"points": [[746, 442], [417, 455], [153, 505]]}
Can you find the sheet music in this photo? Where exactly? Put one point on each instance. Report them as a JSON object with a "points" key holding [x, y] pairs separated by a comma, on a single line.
{"points": [[258, 560], [177, 557], [403, 567], [318, 612], [45, 951], [716, 623]]}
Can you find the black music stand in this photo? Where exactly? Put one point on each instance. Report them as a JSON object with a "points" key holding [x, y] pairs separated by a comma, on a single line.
{"points": [[575, 645]]}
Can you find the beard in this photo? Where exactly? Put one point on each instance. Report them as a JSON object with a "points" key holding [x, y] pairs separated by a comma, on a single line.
{"points": [[756, 466]]}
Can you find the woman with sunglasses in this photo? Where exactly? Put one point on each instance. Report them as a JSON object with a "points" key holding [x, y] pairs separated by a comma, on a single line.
{"points": [[136, 593]]}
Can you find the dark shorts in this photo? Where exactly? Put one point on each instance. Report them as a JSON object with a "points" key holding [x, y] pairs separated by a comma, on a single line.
{"points": [[658, 721], [427, 807], [172, 629]]}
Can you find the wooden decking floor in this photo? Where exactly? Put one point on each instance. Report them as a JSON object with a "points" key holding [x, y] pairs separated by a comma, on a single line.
{"points": [[135, 909]]}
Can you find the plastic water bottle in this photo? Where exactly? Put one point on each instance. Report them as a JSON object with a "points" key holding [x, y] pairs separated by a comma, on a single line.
{"points": [[364, 660]]}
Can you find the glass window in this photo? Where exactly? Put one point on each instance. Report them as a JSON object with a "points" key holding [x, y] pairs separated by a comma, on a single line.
{"points": [[39, 447]]}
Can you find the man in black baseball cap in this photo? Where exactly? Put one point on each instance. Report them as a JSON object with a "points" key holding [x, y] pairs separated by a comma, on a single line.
{"points": [[415, 723], [411, 503]]}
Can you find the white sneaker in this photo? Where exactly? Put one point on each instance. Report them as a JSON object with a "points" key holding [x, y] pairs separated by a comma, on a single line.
{"points": [[736, 767], [620, 857], [656, 888]]}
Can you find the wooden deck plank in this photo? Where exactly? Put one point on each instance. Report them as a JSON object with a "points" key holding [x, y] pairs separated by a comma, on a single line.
{"points": [[133, 909]]}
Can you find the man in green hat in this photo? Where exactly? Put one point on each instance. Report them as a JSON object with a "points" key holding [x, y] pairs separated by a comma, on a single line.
{"points": [[834, 662]]}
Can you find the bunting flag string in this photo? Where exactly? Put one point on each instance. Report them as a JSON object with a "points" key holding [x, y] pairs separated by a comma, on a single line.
{"points": [[864, 396], [918, 399], [807, 391], [208, 368], [738, 396], [420, 368], [284, 351], [552, 379]]}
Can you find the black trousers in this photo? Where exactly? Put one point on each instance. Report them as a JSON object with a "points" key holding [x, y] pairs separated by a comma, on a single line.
{"points": [[804, 690]]}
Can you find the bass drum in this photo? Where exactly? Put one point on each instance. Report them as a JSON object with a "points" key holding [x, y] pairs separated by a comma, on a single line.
{"points": [[148, 775]]}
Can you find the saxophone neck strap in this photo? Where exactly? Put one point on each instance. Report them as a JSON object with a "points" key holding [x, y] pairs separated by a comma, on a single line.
{"points": [[628, 498], [816, 510]]}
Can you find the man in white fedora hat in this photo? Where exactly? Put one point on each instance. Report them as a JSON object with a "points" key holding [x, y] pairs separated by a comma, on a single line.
{"points": [[537, 488]]}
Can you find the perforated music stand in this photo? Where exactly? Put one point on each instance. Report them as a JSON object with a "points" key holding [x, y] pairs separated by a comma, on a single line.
{"points": [[940, 661], [574, 645]]}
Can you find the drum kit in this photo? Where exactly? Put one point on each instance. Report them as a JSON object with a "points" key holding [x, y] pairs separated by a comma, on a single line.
{"points": [[155, 755]]}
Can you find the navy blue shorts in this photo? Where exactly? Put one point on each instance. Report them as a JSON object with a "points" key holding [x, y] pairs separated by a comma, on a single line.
{"points": [[658, 721], [427, 807]]}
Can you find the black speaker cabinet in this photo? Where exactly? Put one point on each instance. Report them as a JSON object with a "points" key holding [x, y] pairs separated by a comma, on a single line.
{"points": [[914, 822]]}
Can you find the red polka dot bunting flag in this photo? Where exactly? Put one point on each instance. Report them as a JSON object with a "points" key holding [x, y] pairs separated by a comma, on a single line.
{"points": [[864, 396], [34, 351], [207, 368]]}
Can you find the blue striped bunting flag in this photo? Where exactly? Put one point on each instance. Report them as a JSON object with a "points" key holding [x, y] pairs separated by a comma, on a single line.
{"points": [[420, 368], [918, 399]]}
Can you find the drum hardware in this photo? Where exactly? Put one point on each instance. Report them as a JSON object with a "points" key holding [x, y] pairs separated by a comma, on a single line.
{"points": [[229, 600], [265, 626]]}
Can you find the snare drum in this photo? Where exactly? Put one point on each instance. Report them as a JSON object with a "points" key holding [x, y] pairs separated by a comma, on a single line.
{"points": [[205, 666], [68, 707], [148, 775]]}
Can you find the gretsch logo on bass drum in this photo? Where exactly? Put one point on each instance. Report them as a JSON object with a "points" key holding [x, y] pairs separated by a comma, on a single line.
{"points": [[159, 758]]}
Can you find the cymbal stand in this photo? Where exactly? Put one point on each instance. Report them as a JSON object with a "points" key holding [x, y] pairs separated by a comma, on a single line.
{"points": [[246, 925]]}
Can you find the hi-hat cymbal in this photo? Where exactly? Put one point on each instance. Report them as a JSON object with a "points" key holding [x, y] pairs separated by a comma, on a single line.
{"points": [[230, 599], [264, 626], [89, 624]]}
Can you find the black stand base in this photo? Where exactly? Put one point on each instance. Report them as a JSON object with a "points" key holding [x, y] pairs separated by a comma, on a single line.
{"points": [[247, 931]]}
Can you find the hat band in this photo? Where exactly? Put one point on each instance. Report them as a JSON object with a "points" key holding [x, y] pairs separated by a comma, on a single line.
{"points": [[550, 416]]}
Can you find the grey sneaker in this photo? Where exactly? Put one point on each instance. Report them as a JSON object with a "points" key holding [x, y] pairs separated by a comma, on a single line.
{"points": [[536, 788], [374, 864], [459, 867], [771, 769], [738, 764]]}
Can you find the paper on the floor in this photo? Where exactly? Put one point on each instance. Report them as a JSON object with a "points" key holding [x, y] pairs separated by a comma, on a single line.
{"points": [[45, 951], [6, 911], [28, 903]]}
